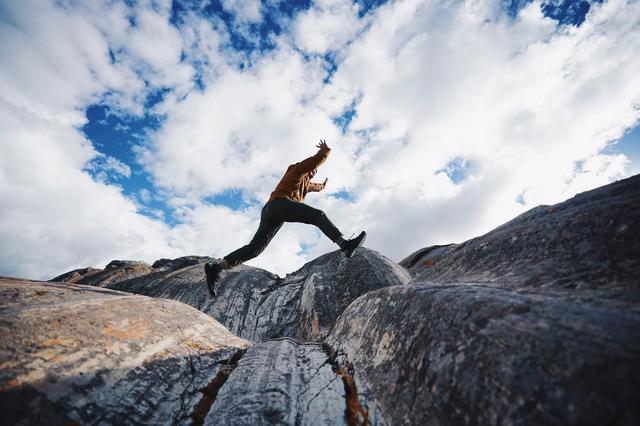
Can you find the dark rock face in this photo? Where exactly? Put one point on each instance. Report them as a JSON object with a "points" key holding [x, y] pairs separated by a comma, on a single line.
{"points": [[589, 242], [424, 259], [115, 271], [76, 275], [179, 263], [282, 382], [257, 305], [93, 356], [472, 354]]}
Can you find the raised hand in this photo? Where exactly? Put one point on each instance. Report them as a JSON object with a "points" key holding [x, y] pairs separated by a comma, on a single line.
{"points": [[323, 145]]}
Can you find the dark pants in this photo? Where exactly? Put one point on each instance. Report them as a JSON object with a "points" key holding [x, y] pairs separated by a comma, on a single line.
{"points": [[274, 214]]}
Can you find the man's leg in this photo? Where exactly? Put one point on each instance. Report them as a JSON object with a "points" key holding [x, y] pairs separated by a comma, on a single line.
{"points": [[266, 231], [291, 211]]}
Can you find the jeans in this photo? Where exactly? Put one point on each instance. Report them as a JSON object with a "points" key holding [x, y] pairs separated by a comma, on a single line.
{"points": [[274, 214]]}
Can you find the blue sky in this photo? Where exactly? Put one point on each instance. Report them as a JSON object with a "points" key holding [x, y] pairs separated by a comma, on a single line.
{"points": [[155, 129]]}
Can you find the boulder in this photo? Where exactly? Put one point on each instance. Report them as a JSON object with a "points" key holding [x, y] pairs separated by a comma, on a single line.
{"points": [[76, 275], [282, 382], [115, 271], [589, 242], [258, 305], [75, 354], [179, 263], [449, 354], [422, 260]]}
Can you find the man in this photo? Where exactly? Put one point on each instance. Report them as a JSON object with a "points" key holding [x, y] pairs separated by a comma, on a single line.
{"points": [[286, 205]]}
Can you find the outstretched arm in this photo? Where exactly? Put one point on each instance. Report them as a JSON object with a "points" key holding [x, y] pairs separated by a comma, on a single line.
{"points": [[315, 161], [317, 187]]}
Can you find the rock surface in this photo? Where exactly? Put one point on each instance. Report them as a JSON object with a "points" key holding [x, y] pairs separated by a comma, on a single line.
{"points": [[87, 355], [257, 305], [115, 271], [473, 354], [589, 242], [282, 382]]}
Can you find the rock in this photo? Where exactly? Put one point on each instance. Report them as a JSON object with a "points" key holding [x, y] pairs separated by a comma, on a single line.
{"points": [[179, 263], [76, 275], [474, 354], [424, 259], [115, 271], [282, 382], [86, 355], [116, 264], [589, 242], [257, 305]]}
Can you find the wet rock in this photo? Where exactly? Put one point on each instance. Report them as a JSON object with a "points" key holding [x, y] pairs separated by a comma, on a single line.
{"points": [[589, 242], [257, 305], [282, 382], [86, 355], [473, 354]]}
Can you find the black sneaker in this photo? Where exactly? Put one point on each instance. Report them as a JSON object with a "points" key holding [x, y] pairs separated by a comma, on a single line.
{"points": [[212, 271], [351, 245]]}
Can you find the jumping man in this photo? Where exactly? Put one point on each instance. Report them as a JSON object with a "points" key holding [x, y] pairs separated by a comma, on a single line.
{"points": [[286, 205]]}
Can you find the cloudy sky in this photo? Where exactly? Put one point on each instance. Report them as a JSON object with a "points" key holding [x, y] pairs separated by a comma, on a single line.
{"points": [[149, 129]]}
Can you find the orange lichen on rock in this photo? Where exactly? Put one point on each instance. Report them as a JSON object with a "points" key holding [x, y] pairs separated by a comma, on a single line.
{"points": [[430, 262], [135, 330]]}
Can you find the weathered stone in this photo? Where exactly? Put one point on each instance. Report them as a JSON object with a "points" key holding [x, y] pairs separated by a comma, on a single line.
{"points": [[257, 305], [115, 271], [282, 382], [116, 264], [425, 258], [472, 354], [179, 263], [591, 241], [88, 355], [76, 275]]}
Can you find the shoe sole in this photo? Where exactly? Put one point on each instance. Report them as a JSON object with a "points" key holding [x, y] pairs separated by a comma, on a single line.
{"points": [[350, 253]]}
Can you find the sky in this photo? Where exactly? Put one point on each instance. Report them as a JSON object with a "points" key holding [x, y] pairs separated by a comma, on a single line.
{"points": [[156, 129]]}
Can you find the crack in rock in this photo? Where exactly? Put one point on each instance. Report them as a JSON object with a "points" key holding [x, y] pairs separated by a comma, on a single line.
{"points": [[210, 392]]}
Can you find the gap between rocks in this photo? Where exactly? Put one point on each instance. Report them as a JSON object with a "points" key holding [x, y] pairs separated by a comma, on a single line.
{"points": [[210, 392], [357, 415]]}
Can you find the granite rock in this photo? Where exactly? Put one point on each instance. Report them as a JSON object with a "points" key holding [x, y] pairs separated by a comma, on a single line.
{"points": [[282, 382], [258, 305], [465, 354], [589, 242], [115, 271], [86, 355]]}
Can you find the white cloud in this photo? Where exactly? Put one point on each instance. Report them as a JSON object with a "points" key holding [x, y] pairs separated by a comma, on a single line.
{"points": [[327, 26], [244, 10], [55, 62], [522, 100]]}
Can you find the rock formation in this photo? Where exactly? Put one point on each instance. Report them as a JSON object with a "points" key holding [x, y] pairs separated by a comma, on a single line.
{"points": [[73, 353], [258, 305], [589, 242], [115, 271], [536, 322]]}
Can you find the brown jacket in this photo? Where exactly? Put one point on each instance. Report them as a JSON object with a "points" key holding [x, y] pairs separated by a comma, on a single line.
{"points": [[296, 183]]}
